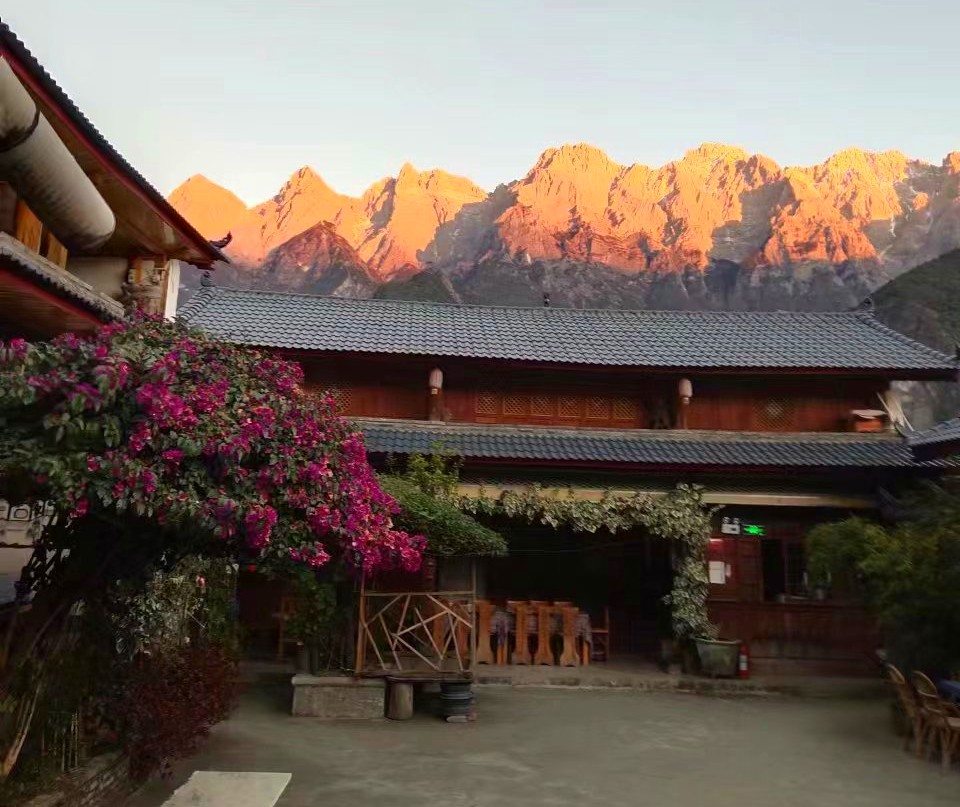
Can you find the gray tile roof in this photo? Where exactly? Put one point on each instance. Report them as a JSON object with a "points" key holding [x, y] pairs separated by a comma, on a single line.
{"points": [[680, 339], [63, 283], [946, 432], [640, 447]]}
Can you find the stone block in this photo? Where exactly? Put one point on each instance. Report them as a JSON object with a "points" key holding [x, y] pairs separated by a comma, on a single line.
{"points": [[338, 697]]}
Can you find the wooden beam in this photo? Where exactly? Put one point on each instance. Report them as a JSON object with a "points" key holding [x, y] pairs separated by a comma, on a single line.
{"points": [[29, 229]]}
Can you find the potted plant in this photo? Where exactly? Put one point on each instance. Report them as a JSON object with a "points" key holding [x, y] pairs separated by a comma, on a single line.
{"points": [[718, 657], [312, 619]]}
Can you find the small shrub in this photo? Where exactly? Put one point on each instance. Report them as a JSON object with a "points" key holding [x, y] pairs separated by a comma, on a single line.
{"points": [[171, 700]]}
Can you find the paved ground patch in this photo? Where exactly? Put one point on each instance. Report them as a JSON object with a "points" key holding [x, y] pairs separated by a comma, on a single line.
{"points": [[583, 748]]}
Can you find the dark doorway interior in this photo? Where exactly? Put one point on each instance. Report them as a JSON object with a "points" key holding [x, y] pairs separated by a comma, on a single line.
{"points": [[626, 575]]}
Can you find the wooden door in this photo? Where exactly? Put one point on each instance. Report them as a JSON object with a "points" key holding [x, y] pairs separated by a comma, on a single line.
{"points": [[749, 570]]}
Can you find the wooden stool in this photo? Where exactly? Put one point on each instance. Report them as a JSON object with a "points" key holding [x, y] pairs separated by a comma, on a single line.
{"points": [[399, 699]]}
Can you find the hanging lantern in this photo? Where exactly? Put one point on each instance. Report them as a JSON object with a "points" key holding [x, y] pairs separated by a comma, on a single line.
{"points": [[685, 390], [436, 380]]}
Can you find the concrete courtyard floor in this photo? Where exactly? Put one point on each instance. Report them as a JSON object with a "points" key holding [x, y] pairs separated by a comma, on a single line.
{"points": [[561, 747]]}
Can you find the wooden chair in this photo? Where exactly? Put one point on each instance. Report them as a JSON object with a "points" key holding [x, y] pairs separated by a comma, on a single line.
{"points": [[600, 639], [568, 654], [911, 708], [544, 631], [941, 719], [521, 643], [485, 610]]}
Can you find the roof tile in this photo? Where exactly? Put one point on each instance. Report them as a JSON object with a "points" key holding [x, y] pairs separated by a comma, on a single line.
{"points": [[676, 339]]}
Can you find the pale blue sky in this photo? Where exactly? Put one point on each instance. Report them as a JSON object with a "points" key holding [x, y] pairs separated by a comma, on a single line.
{"points": [[246, 92]]}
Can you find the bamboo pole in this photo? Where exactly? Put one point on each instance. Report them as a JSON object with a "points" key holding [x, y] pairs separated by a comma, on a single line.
{"points": [[473, 609], [361, 625]]}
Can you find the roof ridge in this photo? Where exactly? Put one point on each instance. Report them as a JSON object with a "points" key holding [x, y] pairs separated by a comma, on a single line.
{"points": [[871, 318], [196, 303], [547, 309]]}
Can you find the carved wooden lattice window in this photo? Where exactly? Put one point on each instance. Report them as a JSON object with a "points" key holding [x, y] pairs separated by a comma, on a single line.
{"points": [[342, 396], [775, 413], [568, 406], [542, 406], [487, 403], [598, 408], [516, 405], [624, 409]]}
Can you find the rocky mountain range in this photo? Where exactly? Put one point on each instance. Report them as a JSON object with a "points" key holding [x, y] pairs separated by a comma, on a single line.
{"points": [[719, 228]]}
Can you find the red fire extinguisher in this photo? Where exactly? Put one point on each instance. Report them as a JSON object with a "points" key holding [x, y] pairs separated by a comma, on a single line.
{"points": [[743, 662]]}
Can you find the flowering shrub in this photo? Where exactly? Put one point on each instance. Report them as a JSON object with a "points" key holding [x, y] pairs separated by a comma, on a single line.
{"points": [[199, 439], [169, 702]]}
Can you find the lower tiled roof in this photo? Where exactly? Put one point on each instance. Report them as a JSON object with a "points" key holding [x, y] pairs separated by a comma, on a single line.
{"points": [[640, 447], [943, 433], [65, 284]]}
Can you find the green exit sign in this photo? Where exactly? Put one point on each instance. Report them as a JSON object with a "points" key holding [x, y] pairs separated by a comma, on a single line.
{"points": [[752, 529]]}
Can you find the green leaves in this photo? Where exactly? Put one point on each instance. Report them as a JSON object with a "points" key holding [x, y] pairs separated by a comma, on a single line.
{"points": [[448, 530], [678, 516], [908, 573]]}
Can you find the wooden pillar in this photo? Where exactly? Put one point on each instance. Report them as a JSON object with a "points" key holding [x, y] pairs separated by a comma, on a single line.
{"points": [[475, 635], [361, 628]]}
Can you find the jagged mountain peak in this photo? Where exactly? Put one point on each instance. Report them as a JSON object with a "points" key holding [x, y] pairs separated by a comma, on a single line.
{"points": [[715, 152], [839, 227], [210, 207]]}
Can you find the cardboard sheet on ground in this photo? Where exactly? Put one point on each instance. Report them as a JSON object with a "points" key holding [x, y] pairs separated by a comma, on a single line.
{"points": [[233, 788]]}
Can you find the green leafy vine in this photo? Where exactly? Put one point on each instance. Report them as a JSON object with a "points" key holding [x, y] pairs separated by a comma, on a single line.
{"points": [[678, 516]]}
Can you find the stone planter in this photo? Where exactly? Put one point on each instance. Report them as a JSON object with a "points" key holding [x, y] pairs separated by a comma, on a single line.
{"points": [[338, 697], [718, 657]]}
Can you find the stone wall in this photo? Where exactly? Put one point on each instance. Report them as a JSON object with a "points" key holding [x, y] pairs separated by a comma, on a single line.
{"points": [[102, 782]]}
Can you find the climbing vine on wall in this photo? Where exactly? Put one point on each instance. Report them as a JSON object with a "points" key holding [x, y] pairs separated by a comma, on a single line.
{"points": [[678, 516]]}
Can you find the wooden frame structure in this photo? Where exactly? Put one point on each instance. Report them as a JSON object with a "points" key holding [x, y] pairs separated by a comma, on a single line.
{"points": [[416, 631]]}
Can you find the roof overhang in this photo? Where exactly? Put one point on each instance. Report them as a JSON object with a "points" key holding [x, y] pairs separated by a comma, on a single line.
{"points": [[39, 299], [146, 222]]}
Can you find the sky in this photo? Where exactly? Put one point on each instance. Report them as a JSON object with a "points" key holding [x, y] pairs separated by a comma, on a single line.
{"points": [[247, 92]]}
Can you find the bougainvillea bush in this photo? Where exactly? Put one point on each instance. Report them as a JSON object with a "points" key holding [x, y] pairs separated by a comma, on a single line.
{"points": [[154, 443], [149, 420]]}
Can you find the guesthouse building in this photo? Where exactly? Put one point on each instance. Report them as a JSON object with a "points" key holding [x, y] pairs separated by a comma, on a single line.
{"points": [[784, 420]]}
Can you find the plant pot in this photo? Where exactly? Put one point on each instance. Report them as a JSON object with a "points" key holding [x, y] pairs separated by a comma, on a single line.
{"points": [[718, 657]]}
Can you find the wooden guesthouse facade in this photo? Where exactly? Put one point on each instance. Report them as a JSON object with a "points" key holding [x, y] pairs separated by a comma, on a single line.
{"points": [[786, 420]]}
